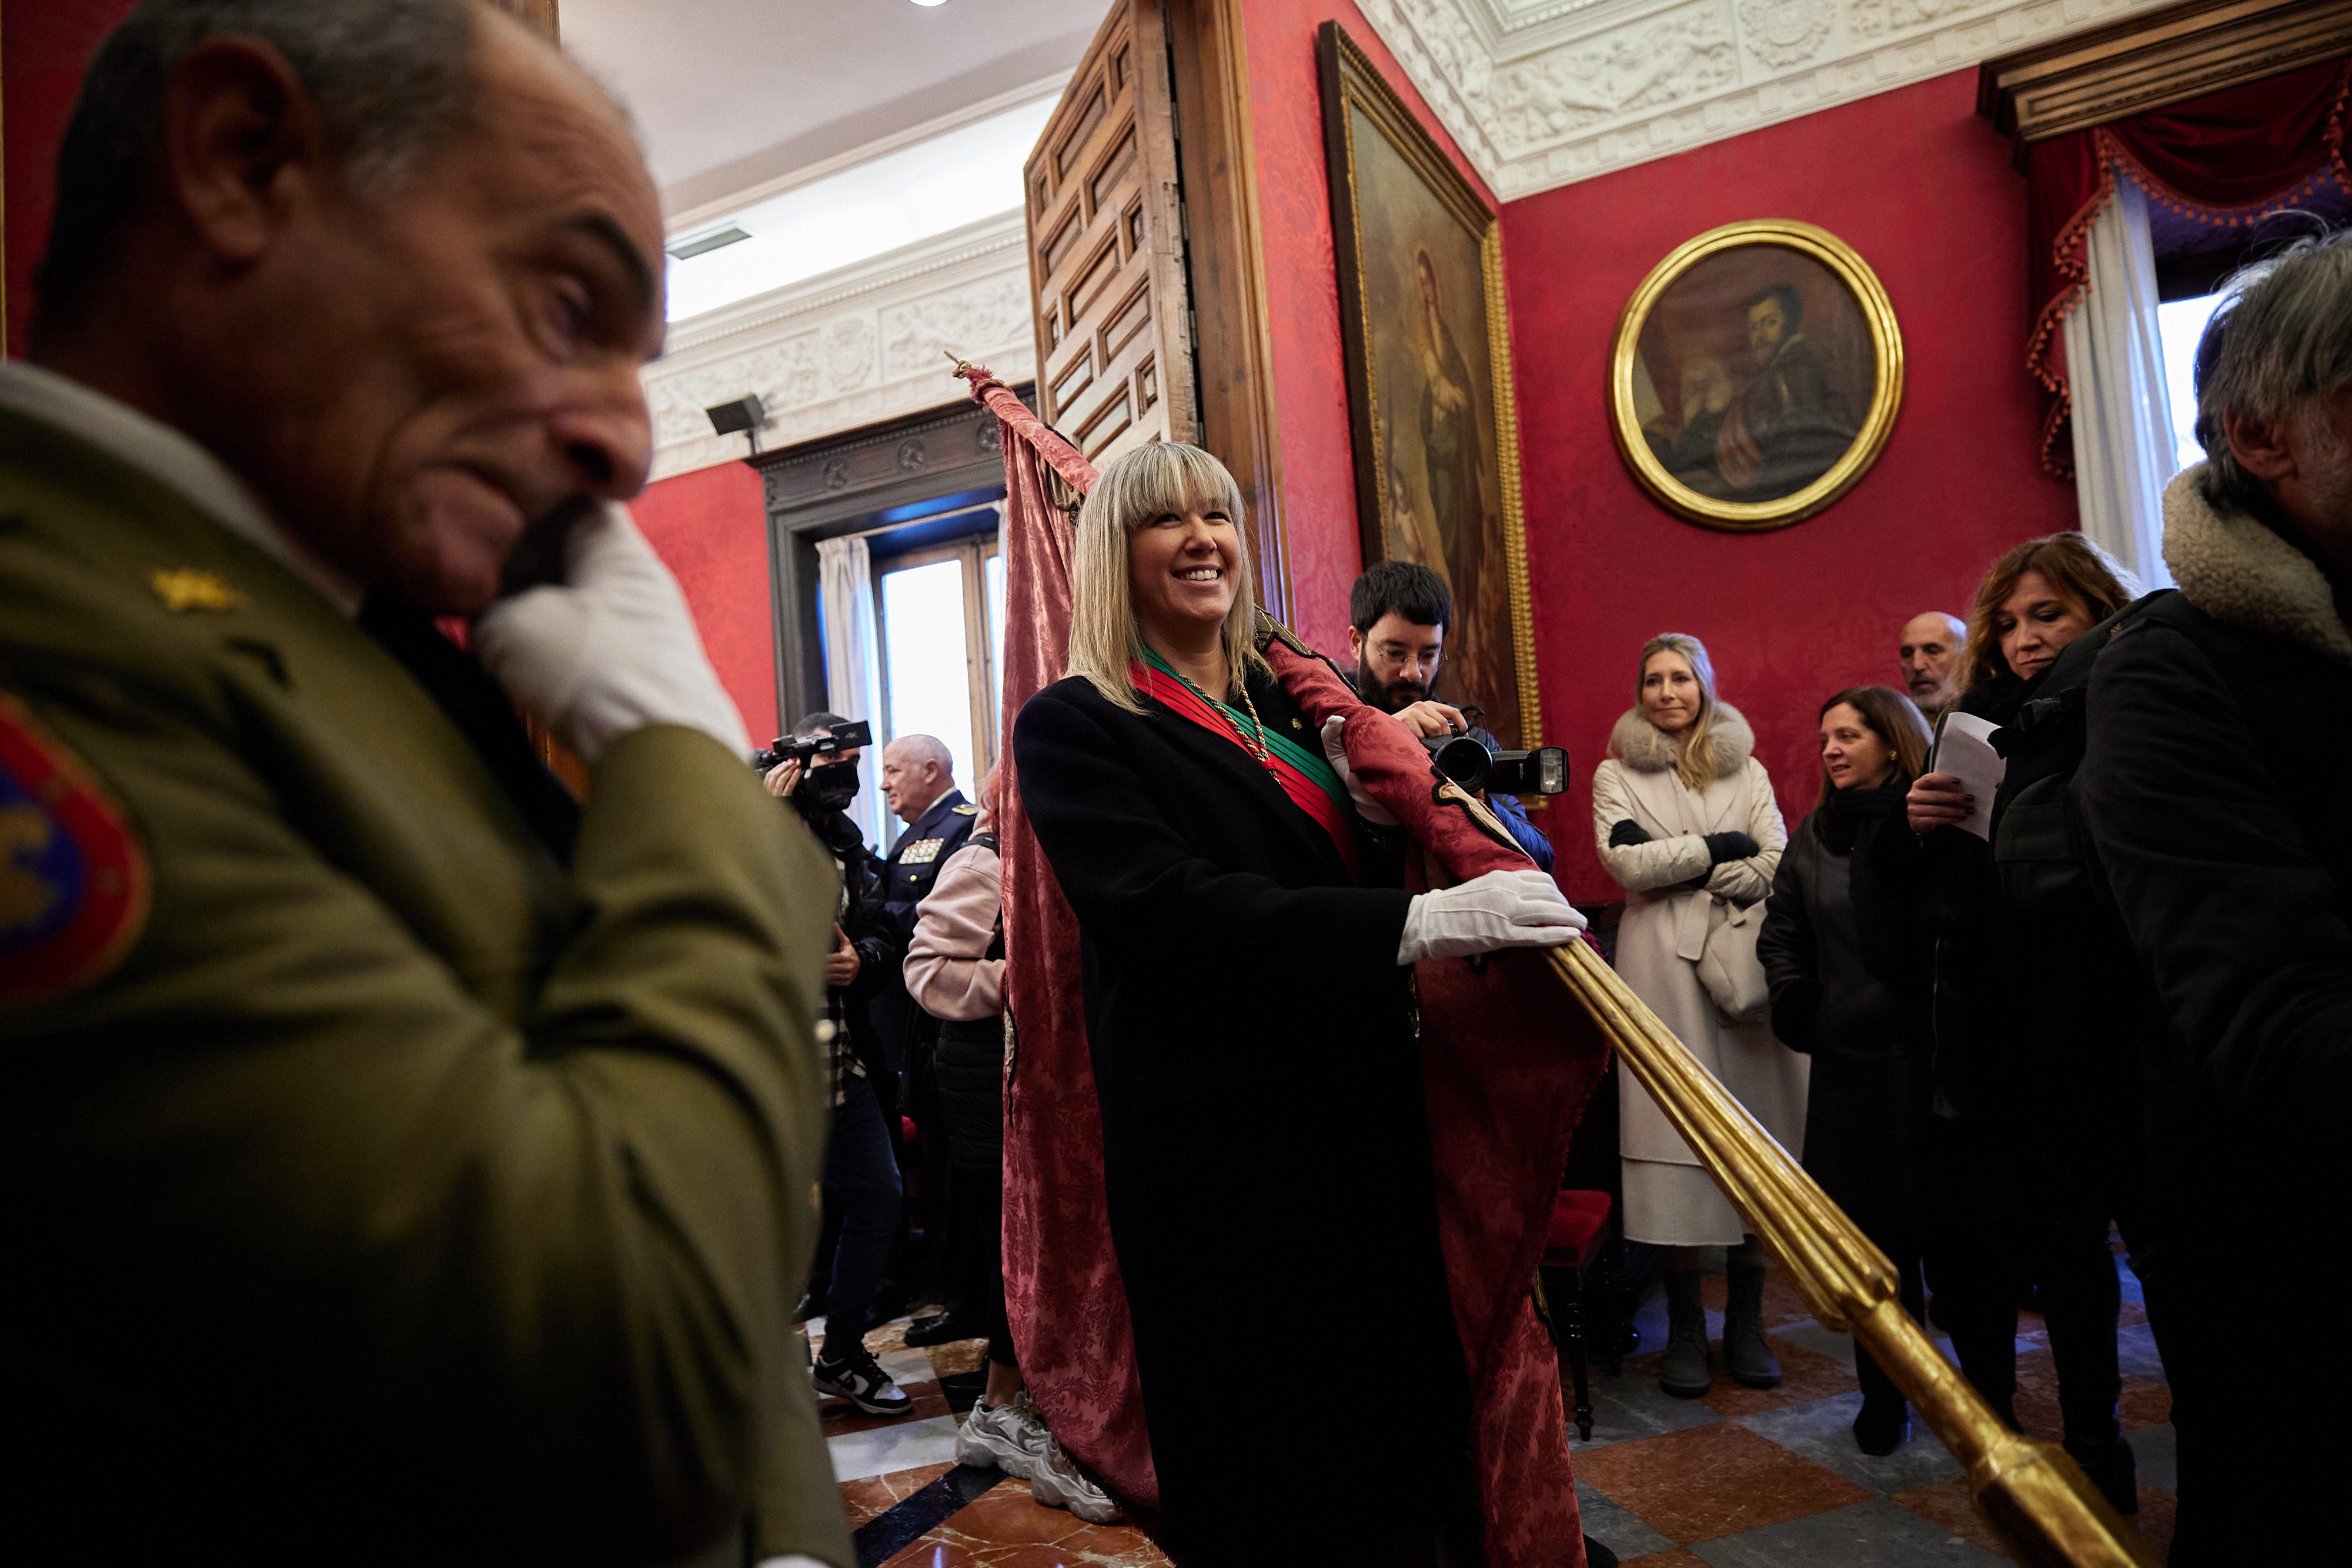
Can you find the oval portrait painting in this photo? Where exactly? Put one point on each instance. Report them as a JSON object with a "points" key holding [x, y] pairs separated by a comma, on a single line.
{"points": [[1756, 375]]}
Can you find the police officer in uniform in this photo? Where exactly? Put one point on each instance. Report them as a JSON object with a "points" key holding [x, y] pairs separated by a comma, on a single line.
{"points": [[404, 1162]]}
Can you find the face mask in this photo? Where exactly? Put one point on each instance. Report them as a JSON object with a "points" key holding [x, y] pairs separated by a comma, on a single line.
{"points": [[833, 786]]}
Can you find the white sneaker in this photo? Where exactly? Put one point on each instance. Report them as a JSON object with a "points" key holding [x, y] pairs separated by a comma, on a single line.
{"points": [[1058, 1482], [1012, 1436]]}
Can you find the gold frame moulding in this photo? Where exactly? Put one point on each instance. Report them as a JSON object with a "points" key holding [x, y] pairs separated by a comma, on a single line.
{"points": [[1877, 425]]}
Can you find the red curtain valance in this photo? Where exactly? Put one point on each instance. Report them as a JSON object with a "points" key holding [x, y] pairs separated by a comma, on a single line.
{"points": [[2228, 159]]}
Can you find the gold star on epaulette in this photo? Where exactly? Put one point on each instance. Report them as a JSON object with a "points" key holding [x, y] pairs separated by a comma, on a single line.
{"points": [[187, 588], [966, 810]]}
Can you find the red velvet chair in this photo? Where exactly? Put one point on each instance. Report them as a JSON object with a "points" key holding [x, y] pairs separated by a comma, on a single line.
{"points": [[1579, 1228]]}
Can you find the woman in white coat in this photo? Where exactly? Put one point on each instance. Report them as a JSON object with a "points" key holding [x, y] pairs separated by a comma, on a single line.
{"points": [[1685, 819]]}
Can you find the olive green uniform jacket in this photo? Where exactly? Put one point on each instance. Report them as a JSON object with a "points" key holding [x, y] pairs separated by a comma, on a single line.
{"points": [[395, 1194]]}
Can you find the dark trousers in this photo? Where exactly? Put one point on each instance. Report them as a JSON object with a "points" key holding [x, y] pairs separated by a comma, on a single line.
{"points": [[861, 1185], [1959, 1239], [969, 1063]]}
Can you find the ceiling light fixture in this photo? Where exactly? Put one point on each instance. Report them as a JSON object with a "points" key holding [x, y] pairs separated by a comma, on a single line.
{"points": [[927, 4]]}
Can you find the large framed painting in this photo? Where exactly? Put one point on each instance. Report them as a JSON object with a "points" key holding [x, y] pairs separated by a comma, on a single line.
{"points": [[1756, 375], [1429, 381]]}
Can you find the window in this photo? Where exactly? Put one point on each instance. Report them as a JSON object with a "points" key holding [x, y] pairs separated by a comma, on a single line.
{"points": [[2180, 323], [941, 615]]}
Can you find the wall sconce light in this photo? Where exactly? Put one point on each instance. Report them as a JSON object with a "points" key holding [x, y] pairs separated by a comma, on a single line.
{"points": [[744, 414]]}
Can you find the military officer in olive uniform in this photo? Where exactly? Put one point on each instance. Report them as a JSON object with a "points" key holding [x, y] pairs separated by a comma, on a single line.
{"points": [[403, 1163]]}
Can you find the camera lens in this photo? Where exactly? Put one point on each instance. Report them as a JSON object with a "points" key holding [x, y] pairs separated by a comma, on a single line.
{"points": [[1462, 760]]}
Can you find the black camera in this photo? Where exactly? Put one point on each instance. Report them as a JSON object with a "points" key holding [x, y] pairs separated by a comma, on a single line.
{"points": [[811, 751], [1470, 763]]}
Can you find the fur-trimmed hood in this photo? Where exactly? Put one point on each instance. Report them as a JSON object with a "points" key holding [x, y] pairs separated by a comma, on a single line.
{"points": [[1645, 747], [2239, 572]]}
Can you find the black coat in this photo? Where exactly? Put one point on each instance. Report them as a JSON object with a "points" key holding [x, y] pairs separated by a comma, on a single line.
{"points": [[1848, 973], [2216, 787], [1265, 1144]]}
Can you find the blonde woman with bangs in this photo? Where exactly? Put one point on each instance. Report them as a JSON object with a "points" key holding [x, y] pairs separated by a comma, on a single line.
{"points": [[1245, 943], [1685, 821]]}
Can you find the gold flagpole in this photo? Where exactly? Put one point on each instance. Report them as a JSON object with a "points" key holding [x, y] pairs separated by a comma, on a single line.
{"points": [[2028, 1488]]}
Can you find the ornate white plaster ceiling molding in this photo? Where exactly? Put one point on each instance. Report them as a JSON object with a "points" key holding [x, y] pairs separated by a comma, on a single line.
{"points": [[1540, 93], [850, 348]]}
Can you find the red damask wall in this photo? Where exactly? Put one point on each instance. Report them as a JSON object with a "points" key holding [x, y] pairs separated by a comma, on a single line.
{"points": [[44, 47], [1310, 373], [1923, 189], [1915, 182], [711, 526]]}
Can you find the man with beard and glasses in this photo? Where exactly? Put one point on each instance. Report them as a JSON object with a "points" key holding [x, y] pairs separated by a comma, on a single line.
{"points": [[861, 1168], [1398, 615]]}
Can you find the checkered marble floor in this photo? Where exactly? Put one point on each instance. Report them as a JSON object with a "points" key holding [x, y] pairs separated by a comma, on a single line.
{"points": [[1741, 1478]]}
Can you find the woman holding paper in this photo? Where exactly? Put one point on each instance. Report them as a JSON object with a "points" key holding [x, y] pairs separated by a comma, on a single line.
{"points": [[2031, 1078], [1684, 819], [1848, 962]]}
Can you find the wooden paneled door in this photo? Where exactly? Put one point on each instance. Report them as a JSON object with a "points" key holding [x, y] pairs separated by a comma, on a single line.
{"points": [[1106, 250]]}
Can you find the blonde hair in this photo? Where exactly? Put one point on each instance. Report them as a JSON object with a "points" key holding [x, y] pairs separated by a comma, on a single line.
{"points": [[2090, 581], [1146, 483], [1694, 758]]}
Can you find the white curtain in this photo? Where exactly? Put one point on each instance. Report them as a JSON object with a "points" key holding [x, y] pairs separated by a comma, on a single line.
{"points": [[853, 668], [2124, 450]]}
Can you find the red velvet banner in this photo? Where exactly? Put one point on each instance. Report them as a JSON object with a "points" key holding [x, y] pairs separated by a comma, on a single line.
{"points": [[2228, 159], [1506, 1071]]}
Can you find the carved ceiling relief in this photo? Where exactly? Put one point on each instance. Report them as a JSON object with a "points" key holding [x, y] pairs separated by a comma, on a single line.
{"points": [[966, 323], [1786, 31], [844, 369], [1664, 62], [1538, 95]]}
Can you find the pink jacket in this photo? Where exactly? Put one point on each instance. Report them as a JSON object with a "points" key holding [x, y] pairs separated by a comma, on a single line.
{"points": [[949, 973]]}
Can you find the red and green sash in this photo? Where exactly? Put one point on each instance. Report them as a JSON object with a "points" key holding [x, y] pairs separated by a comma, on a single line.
{"points": [[1305, 776]]}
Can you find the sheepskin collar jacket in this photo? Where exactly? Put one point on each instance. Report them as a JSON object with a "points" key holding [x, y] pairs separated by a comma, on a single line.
{"points": [[1645, 747], [2241, 573]]}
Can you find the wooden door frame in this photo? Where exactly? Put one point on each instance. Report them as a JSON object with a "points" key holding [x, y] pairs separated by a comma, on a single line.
{"points": [[1233, 330]]}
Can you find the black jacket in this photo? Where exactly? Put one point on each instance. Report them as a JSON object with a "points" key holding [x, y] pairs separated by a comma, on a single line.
{"points": [[1848, 969], [865, 919], [2218, 789]]}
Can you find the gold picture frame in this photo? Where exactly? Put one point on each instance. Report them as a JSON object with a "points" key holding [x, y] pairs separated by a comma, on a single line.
{"points": [[1431, 408], [1791, 429]]}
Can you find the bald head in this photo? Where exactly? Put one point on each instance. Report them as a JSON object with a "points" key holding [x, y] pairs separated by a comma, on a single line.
{"points": [[396, 263], [1930, 655], [917, 769]]}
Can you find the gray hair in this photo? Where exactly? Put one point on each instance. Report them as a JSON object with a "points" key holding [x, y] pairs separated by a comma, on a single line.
{"points": [[928, 748], [2279, 346], [393, 80]]}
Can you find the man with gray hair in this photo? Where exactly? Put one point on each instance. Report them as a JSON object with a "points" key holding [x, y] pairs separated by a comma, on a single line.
{"points": [[406, 1163], [2216, 787]]}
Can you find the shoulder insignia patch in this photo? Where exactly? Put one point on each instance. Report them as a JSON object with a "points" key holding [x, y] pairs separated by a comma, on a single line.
{"points": [[186, 588], [73, 882], [922, 852], [966, 810]]}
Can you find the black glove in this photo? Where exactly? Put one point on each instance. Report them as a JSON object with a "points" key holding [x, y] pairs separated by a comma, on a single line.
{"points": [[1796, 1008], [1731, 846], [1628, 832]]}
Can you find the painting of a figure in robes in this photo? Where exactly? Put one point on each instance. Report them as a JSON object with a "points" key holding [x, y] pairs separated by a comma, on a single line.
{"points": [[1436, 442]]}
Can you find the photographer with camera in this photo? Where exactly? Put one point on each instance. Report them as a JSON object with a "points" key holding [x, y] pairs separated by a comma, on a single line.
{"points": [[814, 770], [1398, 615]]}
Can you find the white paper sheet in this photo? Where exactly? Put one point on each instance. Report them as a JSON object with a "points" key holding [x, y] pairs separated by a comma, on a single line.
{"points": [[1965, 751]]}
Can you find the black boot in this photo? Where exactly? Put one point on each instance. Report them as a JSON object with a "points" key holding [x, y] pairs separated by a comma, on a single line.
{"points": [[1683, 1372], [2112, 1467], [1746, 1353]]}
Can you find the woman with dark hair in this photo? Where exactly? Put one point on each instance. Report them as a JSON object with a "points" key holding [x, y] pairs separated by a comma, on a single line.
{"points": [[1848, 970], [1246, 948], [2036, 1091]]}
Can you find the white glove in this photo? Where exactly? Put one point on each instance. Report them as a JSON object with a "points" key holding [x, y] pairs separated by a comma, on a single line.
{"points": [[1501, 909], [609, 650], [1335, 750]]}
